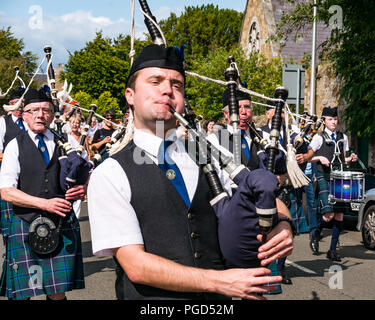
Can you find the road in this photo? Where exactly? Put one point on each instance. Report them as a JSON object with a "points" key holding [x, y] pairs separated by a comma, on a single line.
{"points": [[314, 277]]}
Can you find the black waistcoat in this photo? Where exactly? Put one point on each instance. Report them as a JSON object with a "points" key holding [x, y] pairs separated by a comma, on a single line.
{"points": [[36, 178], [12, 130], [252, 163], [327, 150], [187, 236]]}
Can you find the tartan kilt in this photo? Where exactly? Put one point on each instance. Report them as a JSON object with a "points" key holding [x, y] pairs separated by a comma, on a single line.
{"points": [[323, 186], [297, 211], [6, 209], [26, 274]]}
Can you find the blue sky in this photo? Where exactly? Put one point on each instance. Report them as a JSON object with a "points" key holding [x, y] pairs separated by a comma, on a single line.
{"points": [[67, 24]]}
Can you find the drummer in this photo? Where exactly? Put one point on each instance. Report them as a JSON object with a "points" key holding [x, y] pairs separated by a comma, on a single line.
{"points": [[321, 150]]}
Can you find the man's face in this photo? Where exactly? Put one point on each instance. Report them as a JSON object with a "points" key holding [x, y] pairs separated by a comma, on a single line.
{"points": [[17, 113], [37, 115], [331, 123], [246, 113], [109, 120], [156, 90], [270, 113]]}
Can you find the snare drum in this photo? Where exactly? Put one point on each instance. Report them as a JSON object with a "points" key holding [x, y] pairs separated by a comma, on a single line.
{"points": [[347, 186]]}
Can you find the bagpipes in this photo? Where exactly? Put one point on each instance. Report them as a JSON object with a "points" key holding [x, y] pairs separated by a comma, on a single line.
{"points": [[17, 76], [252, 208], [231, 76]]}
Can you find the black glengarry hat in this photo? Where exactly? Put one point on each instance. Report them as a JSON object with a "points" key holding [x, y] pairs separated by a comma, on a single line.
{"points": [[329, 112], [271, 105], [239, 94], [157, 56], [16, 93], [33, 95]]}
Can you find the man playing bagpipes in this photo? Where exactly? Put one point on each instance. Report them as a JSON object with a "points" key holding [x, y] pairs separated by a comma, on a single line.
{"points": [[157, 220], [30, 180], [224, 137]]}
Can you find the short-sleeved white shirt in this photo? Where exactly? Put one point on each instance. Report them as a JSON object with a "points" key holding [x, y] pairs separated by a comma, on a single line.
{"points": [[317, 141], [10, 167]]}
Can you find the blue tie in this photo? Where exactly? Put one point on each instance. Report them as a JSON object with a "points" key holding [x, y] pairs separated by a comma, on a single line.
{"points": [[20, 124], [43, 148], [244, 145], [333, 136], [172, 172]]}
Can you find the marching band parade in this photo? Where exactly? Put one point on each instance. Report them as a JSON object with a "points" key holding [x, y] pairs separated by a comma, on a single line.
{"points": [[187, 209]]}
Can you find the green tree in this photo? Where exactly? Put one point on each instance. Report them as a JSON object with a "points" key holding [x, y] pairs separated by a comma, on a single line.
{"points": [[102, 65], [203, 29], [12, 55], [107, 102], [206, 97], [351, 51], [84, 99]]}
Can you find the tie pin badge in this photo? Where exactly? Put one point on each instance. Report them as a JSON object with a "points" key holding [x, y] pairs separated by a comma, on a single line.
{"points": [[170, 174]]}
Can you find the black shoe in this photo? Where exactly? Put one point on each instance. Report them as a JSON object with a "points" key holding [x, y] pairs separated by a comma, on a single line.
{"points": [[314, 244], [333, 256], [286, 279]]}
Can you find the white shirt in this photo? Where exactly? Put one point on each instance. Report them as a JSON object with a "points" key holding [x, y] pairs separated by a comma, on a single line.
{"points": [[317, 141], [3, 130], [10, 167], [74, 143], [113, 221]]}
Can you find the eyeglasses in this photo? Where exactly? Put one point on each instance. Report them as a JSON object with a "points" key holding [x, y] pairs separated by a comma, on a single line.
{"points": [[36, 111], [246, 107], [109, 118]]}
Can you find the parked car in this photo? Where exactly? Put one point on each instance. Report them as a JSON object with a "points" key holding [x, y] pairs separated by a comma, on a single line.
{"points": [[366, 219], [365, 209]]}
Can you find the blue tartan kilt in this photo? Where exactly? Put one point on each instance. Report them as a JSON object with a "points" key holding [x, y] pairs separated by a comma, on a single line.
{"points": [[26, 274], [297, 211], [323, 203], [6, 209]]}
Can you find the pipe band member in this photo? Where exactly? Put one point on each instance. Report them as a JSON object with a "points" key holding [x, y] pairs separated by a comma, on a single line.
{"points": [[29, 179], [157, 221], [321, 151]]}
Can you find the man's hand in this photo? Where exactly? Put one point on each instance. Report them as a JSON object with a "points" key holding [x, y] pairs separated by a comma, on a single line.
{"points": [[75, 193], [300, 157], [149, 269], [353, 157], [245, 283], [324, 161], [279, 244], [57, 206]]}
